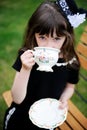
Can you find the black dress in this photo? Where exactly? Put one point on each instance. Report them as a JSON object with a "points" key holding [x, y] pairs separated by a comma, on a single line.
{"points": [[40, 85]]}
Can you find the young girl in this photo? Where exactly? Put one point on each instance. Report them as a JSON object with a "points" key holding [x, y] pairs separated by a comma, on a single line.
{"points": [[47, 27]]}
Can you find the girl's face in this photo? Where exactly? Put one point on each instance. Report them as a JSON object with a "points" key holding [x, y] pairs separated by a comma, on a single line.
{"points": [[50, 41]]}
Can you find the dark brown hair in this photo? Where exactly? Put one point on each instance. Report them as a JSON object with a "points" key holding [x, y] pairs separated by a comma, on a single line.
{"points": [[45, 19]]}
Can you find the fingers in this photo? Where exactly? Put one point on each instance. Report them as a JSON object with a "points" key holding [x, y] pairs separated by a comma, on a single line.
{"points": [[63, 104], [27, 59]]}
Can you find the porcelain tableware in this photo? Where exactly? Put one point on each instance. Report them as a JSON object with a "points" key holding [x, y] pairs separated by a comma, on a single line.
{"points": [[45, 113], [46, 58]]}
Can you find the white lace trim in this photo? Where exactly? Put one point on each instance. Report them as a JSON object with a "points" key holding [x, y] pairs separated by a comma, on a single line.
{"points": [[9, 115], [76, 19], [66, 63]]}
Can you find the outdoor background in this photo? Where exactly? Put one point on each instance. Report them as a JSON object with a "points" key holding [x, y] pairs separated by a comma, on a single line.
{"points": [[14, 15]]}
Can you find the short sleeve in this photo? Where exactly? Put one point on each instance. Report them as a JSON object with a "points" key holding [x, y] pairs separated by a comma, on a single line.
{"points": [[17, 64], [73, 76]]}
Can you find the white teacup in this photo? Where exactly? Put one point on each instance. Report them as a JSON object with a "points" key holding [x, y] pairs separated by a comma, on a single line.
{"points": [[46, 58]]}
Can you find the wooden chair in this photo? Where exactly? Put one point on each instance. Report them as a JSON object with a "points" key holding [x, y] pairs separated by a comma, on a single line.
{"points": [[75, 119], [82, 50], [7, 97]]}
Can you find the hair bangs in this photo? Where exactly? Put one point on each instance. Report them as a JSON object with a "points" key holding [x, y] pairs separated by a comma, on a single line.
{"points": [[45, 27], [50, 25]]}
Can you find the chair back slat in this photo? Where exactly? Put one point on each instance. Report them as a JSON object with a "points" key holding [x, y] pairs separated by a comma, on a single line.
{"points": [[81, 49], [86, 28], [84, 38], [83, 61]]}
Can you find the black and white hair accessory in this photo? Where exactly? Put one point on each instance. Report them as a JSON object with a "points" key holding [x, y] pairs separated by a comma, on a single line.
{"points": [[71, 11], [76, 19]]}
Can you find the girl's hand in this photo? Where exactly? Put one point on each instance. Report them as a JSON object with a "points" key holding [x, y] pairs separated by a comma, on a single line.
{"points": [[27, 60], [64, 104]]}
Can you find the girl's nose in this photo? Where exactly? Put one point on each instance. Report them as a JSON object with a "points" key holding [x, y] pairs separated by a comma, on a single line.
{"points": [[50, 44]]}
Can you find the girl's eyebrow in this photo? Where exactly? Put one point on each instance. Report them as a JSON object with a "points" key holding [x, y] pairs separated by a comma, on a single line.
{"points": [[47, 35], [57, 36]]}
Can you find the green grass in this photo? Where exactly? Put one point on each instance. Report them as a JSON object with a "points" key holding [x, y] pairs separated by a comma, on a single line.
{"points": [[14, 16]]}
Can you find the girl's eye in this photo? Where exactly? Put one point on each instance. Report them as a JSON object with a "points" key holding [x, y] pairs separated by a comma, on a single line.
{"points": [[42, 37], [57, 38]]}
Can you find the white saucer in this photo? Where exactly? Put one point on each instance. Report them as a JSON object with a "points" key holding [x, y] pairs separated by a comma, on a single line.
{"points": [[45, 113]]}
